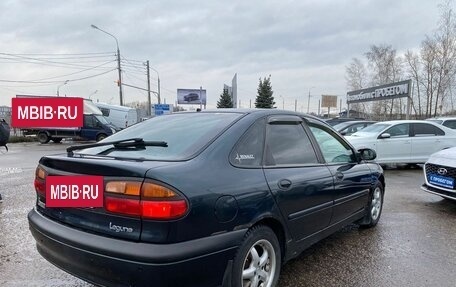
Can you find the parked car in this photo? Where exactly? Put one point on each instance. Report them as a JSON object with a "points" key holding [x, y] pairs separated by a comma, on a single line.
{"points": [[349, 128], [440, 174], [444, 121], [338, 120], [226, 202], [406, 141], [120, 116]]}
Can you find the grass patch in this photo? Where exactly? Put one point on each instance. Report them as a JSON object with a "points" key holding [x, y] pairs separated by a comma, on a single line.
{"points": [[21, 139]]}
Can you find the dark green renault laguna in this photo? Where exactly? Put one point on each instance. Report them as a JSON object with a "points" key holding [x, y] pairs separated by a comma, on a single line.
{"points": [[212, 198]]}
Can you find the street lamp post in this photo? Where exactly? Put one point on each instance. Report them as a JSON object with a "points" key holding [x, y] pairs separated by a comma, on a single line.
{"points": [[308, 100], [58, 87], [158, 84], [118, 62]]}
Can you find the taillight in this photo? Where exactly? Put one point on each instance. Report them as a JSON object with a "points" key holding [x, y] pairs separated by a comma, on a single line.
{"points": [[147, 200], [40, 181]]}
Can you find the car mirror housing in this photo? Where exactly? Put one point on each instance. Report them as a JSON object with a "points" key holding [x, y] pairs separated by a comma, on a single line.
{"points": [[367, 154], [384, 136]]}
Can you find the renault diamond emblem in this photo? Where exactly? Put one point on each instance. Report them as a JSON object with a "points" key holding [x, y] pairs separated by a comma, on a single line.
{"points": [[442, 171]]}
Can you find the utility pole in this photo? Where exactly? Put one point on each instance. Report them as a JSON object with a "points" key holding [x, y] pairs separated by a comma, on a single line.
{"points": [[308, 100], [296, 105], [201, 99], [149, 103], [120, 74], [158, 84], [119, 82]]}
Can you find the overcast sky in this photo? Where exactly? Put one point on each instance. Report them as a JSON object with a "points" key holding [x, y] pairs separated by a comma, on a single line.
{"points": [[302, 44]]}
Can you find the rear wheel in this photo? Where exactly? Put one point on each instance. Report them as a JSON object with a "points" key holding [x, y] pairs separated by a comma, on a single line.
{"points": [[258, 260], [43, 137], [375, 207]]}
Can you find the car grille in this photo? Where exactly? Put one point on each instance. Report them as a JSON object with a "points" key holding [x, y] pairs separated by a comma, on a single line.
{"points": [[433, 168]]}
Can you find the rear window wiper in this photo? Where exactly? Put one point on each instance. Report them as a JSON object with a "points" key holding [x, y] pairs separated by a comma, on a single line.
{"points": [[120, 144]]}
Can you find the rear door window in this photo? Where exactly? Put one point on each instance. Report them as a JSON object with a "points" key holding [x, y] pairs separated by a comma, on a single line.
{"points": [[425, 130], [288, 144]]}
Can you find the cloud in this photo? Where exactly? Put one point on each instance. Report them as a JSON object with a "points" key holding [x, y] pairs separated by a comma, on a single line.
{"points": [[300, 43]]}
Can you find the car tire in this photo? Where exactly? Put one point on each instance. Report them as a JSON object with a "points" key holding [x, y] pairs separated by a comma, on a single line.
{"points": [[101, 137], [258, 259], [43, 138], [374, 210], [57, 140]]}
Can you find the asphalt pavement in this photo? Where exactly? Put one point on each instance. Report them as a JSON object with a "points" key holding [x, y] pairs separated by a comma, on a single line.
{"points": [[414, 243]]}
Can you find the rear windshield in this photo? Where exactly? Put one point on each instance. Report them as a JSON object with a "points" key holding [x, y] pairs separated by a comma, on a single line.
{"points": [[185, 135]]}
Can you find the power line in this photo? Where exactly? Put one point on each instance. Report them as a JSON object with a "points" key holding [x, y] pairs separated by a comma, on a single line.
{"points": [[54, 82], [41, 61], [58, 54], [84, 70]]}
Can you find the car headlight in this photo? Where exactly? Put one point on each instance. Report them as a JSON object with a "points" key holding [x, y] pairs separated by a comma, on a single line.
{"points": [[113, 130]]}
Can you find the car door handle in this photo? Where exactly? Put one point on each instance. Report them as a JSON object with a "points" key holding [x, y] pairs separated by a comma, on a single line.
{"points": [[284, 184], [339, 175], [406, 142]]}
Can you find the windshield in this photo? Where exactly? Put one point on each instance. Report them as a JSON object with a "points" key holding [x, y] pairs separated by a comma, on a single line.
{"points": [[372, 129], [101, 119], [185, 135]]}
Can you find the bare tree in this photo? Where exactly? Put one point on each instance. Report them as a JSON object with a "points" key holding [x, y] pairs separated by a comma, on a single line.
{"points": [[438, 56], [356, 77], [386, 68], [414, 66]]}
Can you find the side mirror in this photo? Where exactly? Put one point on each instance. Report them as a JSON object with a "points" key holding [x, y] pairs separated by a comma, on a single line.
{"points": [[384, 136], [367, 154]]}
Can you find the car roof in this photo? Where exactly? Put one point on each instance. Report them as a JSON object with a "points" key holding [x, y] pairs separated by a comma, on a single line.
{"points": [[405, 122], [258, 111], [442, 118]]}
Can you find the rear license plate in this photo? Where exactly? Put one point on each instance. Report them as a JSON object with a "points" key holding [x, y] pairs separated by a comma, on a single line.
{"points": [[439, 180]]}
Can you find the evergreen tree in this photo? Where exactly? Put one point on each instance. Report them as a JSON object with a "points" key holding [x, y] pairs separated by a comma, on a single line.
{"points": [[264, 99], [225, 100]]}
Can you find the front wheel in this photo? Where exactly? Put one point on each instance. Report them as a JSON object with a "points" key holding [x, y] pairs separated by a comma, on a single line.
{"points": [[258, 260], [101, 137], [375, 207]]}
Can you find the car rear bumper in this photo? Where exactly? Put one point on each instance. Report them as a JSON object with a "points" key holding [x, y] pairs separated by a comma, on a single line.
{"points": [[436, 191], [108, 261]]}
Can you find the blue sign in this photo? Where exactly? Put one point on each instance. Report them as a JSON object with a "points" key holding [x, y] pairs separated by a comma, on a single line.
{"points": [[162, 109]]}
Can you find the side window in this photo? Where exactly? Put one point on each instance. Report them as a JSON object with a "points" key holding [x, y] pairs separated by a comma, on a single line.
{"points": [[288, 144], [425, 130], [248, 151], [401, 130], [88, 121], [334, 150], [450, 124], [105, 111]]}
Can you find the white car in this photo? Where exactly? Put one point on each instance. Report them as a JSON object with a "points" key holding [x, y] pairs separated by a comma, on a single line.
{"points": [[405, 141], [444, 121], [440, 174]]}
